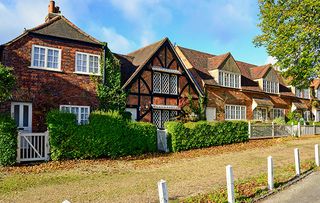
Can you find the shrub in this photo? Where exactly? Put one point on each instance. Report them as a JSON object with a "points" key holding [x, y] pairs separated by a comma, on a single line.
{"points": [[8, 140], [204, 134], [108, 134], [279, 121]]}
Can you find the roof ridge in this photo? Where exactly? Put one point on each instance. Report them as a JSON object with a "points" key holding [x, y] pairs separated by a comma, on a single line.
{"points": [[142, 48], [45, 24]]}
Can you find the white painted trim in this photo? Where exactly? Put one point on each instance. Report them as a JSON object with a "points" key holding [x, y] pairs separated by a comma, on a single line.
{"points": [[46, 58], [87, 65], [46, 69], [76, 106], [225, 114], [229, 72], [82, 73], [166, 107], [21, 104]]}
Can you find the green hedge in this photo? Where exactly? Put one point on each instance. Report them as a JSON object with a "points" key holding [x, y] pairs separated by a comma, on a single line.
{"points": [[8, 140], [107, 135], [205, 134]]}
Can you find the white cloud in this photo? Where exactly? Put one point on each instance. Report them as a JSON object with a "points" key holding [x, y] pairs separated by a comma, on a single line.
{"points": [[271, 60], [116, 42]]}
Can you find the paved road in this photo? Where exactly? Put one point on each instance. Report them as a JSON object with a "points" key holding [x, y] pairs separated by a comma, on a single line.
{"points": [[306, 190]]}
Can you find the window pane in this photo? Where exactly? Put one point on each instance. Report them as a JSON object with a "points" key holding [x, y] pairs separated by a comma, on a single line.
{"points": [[25, 116], [157, 82], [16, 114], [165, 83], [173, 84]]}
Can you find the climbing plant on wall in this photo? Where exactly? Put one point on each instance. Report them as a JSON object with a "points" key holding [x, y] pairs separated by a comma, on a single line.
{"points": [[7, 82]]}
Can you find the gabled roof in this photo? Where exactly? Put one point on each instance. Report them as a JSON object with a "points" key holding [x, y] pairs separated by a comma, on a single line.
{"points": [[315, 83], [61, 27], [134, 62], [259, 71], [216, 62]]}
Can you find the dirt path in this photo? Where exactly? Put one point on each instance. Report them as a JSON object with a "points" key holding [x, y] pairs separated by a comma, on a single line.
{"points": [[135, 180]]}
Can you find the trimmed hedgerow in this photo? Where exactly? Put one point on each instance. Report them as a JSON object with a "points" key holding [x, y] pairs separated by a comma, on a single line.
{"points": [[8, 140], [205, 134], [108, 134]]}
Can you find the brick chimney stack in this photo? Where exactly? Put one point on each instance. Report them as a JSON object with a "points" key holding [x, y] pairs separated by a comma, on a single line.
{"points": [[53, 10]]}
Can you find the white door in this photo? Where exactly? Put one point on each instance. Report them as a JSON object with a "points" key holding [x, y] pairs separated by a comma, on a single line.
{"points": [[22, 114], [211, 113], [133, 112]]}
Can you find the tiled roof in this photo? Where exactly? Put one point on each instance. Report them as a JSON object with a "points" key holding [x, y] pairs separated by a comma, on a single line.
{"points": [[258, 72], [60, 27], [315, 83]]}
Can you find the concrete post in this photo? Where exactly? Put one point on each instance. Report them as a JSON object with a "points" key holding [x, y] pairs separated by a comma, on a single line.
{"points": [[18, 147], [163, 191], [230, 184], [316, 154], [297, 161], [249, 129], [299, 129], [270, 173], [272, 129]]}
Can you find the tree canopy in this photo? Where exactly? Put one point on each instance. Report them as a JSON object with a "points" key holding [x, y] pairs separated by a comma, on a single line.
{"points": [[291, 34], [7, 82], [109, 89]]}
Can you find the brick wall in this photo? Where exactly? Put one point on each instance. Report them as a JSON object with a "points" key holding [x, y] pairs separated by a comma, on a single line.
{"points": [[47, 89]]}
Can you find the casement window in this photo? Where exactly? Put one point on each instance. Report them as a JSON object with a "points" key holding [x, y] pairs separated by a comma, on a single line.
{"points": [[260, 114], [46, 58], [165, 83], [162, 116], [235, 112], [81, 112], [277, 113], [87, 63], [307, 116], [227, 79], [317, 93], [303, 93], [270, 87]]}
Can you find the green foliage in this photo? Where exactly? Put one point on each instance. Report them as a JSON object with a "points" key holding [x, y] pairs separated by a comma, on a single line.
{"points": [[290, 32], [279, 121], [108, 134], [8, 140], [205, 134], [7, 82], [294, 117], [109, 89]]}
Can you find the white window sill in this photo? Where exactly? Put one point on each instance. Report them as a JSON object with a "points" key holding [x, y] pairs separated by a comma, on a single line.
{"points": [[46, 69], [81, 73]]}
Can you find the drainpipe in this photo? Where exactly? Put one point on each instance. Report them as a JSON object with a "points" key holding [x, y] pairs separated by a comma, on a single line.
{"points": [[105, 47]]}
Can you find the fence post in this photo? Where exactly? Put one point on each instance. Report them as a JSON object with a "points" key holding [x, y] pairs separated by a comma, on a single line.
{"points": [[249, 129], [314, 128], [316, 154], [299, 129], [272, 129], [230, 184], [270, 173], [18, 147], [297, 161], [292, 133], [163, 191], [47, 145]]}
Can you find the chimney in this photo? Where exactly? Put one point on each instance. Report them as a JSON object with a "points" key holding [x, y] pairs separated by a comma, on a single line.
{"points": [[53, 10]]}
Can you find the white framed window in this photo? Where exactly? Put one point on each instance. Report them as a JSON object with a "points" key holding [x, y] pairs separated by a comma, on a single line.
{"points": [[307, 116], [81, 112], [87, 63], [228, 79], [46, 58], [270, 87], [317, 93], [277, 113], [235, 112], [303, 93], [165, 83], [260, 114]]}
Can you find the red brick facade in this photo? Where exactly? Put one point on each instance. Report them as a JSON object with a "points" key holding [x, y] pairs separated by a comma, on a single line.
{"points": [[48, 89]]}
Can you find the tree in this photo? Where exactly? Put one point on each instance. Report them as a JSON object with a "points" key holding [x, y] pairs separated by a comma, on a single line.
{"points": [[291, 34], [7, 82], [109, 89]]}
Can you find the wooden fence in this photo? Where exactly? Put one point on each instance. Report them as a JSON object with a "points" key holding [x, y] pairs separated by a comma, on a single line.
{"points": [[33, 147]]}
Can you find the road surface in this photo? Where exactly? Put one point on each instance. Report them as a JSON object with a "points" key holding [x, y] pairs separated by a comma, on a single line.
{"points": [[306, 190]]}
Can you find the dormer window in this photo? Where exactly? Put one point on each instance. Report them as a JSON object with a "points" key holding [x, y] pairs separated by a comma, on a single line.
{"points": [[270, 87], [317, 92], [302, 93], [228, 79]]}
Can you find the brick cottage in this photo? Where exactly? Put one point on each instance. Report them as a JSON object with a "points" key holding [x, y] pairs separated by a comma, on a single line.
{"points": [[54, 63]]}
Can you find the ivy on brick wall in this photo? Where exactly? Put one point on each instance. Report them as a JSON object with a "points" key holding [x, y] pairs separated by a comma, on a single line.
{"points": [[110, 94], [7, 82]]}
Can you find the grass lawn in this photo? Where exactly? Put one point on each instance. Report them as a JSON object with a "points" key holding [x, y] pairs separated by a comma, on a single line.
{"points": [[135, 179]]}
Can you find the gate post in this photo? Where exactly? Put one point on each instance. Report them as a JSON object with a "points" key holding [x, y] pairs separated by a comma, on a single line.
{"points": [[299, 129], [272, 129], [18, 147], [249, 129], [47, 145], [314, 128]]}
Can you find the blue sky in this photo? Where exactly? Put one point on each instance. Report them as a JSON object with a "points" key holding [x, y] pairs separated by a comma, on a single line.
{"points": [[214, 26]]}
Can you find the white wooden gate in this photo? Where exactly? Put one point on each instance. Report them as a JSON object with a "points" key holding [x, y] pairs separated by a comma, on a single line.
{"points": [[33, 147]]}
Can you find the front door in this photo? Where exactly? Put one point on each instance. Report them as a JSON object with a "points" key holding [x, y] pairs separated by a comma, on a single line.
{"points": [[22, 114]]}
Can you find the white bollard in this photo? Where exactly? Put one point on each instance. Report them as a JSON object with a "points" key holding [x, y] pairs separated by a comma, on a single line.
{"points": [[66, 201], [316, 154], [163, 191], [230, 184], [270, 173], [297, 161]]}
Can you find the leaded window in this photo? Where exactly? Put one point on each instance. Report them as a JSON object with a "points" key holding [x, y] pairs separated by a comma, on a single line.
{"points": [[165, 83], [162, 116], [157, 82]]}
